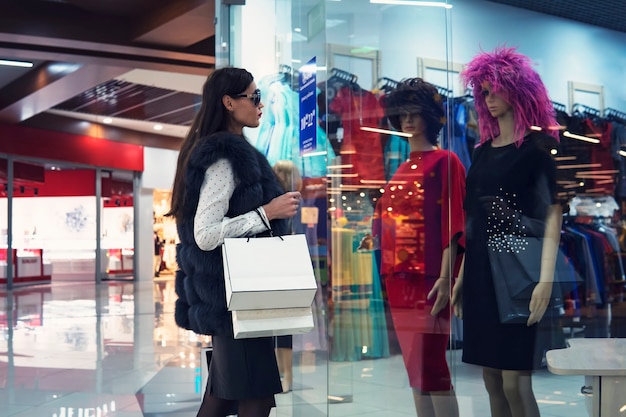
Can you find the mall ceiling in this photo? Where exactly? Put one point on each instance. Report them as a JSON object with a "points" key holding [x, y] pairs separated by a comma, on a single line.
{"points": [[137, 60], [141, 62], [607, 14]]}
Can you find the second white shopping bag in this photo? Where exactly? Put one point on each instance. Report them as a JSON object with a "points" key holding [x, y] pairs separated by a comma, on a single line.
{"points": [[268, 273], [272, 322]]}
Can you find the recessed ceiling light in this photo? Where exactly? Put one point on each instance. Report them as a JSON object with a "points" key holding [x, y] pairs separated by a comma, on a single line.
{"points": [[107, 120], [22, 64], [158, 127]]}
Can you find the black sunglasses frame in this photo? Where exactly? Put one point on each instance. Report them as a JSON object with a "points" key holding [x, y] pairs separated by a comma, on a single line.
{"points": [[255, 97]]}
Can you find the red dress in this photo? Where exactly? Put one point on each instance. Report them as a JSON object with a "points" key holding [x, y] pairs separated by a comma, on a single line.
{"points": [[419, 212]]}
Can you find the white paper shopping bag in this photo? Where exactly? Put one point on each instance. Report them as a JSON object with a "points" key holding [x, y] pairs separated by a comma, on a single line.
{"points": [[268, 273], [272, 322]]}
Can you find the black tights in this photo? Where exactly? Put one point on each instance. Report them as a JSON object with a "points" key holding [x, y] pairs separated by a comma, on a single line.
{"points": [[218, 407]]}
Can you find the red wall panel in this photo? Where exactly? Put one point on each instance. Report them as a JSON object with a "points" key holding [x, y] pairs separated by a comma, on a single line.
{"points": [[59, 146], [71, 183]]}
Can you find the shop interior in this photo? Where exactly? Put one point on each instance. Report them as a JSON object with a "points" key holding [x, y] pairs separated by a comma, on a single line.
{"points": [[53, 222]]}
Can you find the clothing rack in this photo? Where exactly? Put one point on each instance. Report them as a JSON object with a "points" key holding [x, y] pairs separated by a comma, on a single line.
{"points": [[291, 76], [343, 75], [584, 110], [443, 91], [615, 115], [559, 107], [387, 84]]}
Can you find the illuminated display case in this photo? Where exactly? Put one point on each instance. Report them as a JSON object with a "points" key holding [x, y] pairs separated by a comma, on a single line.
{"points": [[28, 266]]}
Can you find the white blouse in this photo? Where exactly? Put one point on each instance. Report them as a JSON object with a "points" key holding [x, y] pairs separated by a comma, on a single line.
{"points": [[210, 225]]}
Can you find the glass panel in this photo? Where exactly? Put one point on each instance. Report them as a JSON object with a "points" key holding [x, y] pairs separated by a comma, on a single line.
{"points": [[54, 218], [385, 347], [575, 63], [356, 51], [117, 242], [288, 65], [4, 220], [165, 235]]}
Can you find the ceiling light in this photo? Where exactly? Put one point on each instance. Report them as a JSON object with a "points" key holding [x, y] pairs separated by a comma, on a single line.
{"points": [[22, 64], [158, 127], [413, 3], [386, 131], [567, 134], [107, 120]]}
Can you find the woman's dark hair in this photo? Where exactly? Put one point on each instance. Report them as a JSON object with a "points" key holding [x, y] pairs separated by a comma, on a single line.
{"points": [[211, 118], [416, 96]]}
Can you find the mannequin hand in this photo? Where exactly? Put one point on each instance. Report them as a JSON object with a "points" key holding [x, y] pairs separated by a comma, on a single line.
{"points": [[539, 302], [442, 288], [284, 206], [457, 299]]}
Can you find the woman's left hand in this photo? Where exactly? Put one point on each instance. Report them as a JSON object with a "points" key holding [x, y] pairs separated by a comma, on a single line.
{"points": [[539, 302], [442, 288]]}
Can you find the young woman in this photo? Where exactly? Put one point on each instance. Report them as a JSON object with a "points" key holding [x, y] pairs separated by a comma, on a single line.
{"points": [[421, 227], [511, 183], [225, 188]]}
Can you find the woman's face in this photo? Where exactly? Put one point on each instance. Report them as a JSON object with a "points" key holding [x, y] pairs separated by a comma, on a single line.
{"points": [[496, 104], [412, 123], [244, 109]]}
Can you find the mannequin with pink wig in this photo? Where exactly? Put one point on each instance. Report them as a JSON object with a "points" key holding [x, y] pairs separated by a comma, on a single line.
{"points": [[512, 180]]}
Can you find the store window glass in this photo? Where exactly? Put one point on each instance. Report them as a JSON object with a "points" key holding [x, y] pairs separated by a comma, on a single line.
{"points": [[375, 255], [4, 220], [573, 61], [54, 223], [165, 235], [54, 218], [117, 230], [324, 74]]}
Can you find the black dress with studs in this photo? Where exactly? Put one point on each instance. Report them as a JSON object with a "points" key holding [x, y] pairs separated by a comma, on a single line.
{"points": [[503, 184]]}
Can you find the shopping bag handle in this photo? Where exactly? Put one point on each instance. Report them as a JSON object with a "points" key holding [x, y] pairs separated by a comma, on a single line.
{"points": [[269, 228]]}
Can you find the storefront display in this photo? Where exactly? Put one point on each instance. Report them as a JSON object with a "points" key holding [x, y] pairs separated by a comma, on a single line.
{"points": [[361, 51], [29, 267], [61, 229]]}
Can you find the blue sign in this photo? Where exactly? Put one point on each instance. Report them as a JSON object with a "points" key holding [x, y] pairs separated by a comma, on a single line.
{"points": [[308, 102]]}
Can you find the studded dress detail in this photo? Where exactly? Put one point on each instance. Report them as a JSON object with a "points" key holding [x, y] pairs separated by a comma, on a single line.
{"points": [[509, 191]]}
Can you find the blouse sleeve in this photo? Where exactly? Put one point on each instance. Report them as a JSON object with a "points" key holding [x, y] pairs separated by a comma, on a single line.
{"points": [[211, 225], [453, 196]]}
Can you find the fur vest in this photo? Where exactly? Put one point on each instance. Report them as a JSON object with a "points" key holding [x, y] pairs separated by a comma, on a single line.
{"points": [[201, 303]]}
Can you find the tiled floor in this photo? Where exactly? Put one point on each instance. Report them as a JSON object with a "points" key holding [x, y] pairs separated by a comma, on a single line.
{"points": [[113, 350]]}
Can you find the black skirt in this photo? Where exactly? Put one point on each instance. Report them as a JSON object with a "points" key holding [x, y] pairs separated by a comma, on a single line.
{"points": [[243, 368]]}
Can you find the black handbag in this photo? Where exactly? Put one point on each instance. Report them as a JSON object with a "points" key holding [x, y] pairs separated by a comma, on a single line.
{"points": [[515, 269]]}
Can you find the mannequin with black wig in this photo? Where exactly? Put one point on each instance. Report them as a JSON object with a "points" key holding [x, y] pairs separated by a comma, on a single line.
{"points": [[420, 221]]}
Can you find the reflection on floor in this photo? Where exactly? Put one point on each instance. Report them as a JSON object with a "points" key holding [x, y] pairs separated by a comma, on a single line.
{"points": [[81, 350]]}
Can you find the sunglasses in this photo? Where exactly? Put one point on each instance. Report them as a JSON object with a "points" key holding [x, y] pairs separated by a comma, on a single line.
{"points": [[255, 97]]}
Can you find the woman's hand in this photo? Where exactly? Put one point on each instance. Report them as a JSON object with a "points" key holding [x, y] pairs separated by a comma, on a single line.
{"points": [[539, 301], [284, 206], [442, 288]]}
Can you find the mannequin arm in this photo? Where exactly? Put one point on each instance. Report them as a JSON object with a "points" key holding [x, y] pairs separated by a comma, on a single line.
{"points": [[457, 292], [543, 290], [442, 285]]}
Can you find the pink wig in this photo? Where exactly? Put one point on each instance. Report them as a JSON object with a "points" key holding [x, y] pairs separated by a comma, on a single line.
{"points": [[511, 75]]}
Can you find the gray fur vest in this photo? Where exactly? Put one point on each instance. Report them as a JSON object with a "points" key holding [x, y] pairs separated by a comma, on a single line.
{"points": [[201, 303]]}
